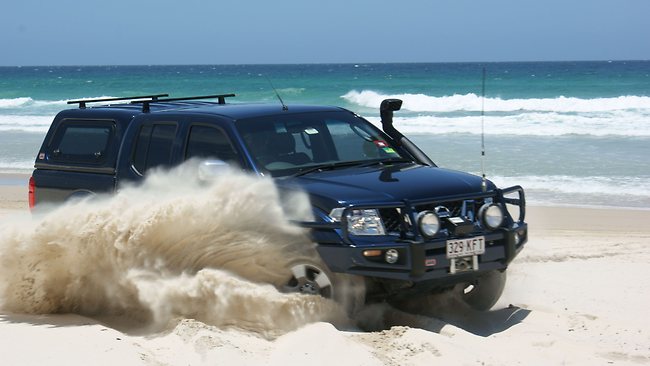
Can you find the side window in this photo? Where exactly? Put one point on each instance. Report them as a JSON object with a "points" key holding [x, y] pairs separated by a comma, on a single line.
{"points": [[154, 146], [209, 142], [82, 141], [141, 147]]}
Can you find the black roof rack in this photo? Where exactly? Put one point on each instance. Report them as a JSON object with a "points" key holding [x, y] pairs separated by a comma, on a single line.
{"points": [[82, 102], [145, 103]]}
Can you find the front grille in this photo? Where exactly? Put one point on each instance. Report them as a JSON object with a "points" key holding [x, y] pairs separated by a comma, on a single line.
{"points": [[392, 220], [467, 209]]}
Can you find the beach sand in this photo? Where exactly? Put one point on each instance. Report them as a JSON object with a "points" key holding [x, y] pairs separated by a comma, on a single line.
{"points": [[13, 192], [578, 294]]}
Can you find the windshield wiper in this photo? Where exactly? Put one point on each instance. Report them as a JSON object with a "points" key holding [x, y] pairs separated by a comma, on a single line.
{"points": [[388, 161], [328, 166], [343, 164]]}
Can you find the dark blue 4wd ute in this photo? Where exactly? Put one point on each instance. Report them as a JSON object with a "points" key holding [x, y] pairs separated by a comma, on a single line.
{"points": [[388, 223]]}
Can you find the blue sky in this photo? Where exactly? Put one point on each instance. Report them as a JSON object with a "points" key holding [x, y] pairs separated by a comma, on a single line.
{"points": [[73, 32]]}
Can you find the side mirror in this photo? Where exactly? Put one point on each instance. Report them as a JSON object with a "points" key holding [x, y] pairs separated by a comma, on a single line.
{"points": [[211, 169]]}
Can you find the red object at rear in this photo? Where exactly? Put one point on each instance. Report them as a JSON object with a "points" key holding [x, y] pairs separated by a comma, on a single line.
{"points": [[32, 193]]}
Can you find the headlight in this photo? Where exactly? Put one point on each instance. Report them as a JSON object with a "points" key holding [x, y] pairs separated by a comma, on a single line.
{"points": [[428, 223], [491, 215], [365, 222]]}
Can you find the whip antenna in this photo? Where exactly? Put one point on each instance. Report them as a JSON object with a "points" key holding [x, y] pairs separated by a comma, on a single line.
{"points": [[284, 106], [483, 183]]}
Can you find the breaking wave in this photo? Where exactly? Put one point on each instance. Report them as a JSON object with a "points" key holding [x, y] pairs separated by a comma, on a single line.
{"points": [[29, 115], [618, 123], [29, 102], [170, 248], [472, 102], [626, 116], [15, 102]]}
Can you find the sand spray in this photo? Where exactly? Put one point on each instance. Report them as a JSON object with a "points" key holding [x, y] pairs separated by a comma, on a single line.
{"points": [[169, 248]]}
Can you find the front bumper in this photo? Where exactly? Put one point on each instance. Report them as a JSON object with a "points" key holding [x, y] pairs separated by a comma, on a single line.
{"points": [[424, 260], [421, 259]]}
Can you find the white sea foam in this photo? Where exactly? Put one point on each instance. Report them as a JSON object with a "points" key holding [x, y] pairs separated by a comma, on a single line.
{"points": [[29, 102], [29, 115], [614, 123], [627, 116], [291, 91], [22, 166], [613, 186], [25, 123], [472, 102], [15, 102], [620, 116], [35, 104], [617, 191], [617, 123]]}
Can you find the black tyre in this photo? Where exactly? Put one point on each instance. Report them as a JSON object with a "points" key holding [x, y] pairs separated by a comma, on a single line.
{"points": [[482, 293], [314, 278]]}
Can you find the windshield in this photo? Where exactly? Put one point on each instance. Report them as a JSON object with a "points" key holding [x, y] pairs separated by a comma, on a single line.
{"points": [[294, 143]]}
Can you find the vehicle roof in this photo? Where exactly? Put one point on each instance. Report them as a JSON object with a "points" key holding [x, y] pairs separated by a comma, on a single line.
{"points": [[230, 110]]}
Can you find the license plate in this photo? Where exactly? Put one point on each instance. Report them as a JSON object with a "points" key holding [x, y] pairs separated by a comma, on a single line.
{"points": [[465, 247]]}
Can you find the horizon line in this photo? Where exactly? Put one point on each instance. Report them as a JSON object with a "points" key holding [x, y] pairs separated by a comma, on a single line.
{"points": [[327, 63]]}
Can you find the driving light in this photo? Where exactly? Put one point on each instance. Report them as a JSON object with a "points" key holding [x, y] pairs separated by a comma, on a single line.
{"points": [[491, 215], [391, 256], [365, 222], [428, 223]]}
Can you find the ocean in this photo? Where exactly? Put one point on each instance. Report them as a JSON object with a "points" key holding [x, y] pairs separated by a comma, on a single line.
{"points": [[570, 133]]}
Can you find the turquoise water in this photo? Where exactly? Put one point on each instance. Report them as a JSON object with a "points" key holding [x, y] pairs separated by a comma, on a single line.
{"points": [[573, 133]]}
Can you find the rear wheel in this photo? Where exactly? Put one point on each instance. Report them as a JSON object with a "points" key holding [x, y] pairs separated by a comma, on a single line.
{"points": [[314, 278], [482, 293]]}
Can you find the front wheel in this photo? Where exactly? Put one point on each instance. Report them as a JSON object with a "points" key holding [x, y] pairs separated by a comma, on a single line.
{"points": [[482, 293], [314, 278]]}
